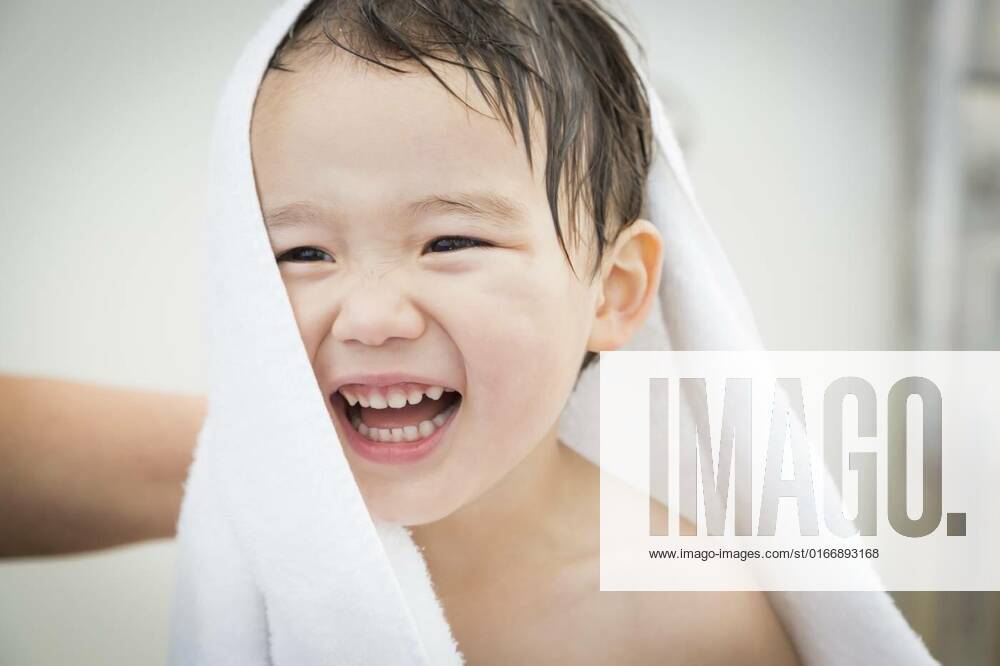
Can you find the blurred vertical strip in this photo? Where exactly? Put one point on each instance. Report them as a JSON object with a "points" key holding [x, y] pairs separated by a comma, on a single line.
{"points": [[955, 86], [947, 29]]}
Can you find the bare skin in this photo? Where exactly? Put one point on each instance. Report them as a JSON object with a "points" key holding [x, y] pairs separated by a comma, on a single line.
{"points": [[84, 467], [519, 590], [524, 587]]}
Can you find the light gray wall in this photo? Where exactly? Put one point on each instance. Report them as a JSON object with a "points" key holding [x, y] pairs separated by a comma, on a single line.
{"points": [[797, 154], [104, 126]]}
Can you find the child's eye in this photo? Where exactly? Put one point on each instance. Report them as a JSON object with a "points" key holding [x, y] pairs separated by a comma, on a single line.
{"points": [[304, 254], [451, 243]]}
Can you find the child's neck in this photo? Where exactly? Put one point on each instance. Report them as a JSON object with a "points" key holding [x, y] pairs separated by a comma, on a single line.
{"points": [[542, 511]]}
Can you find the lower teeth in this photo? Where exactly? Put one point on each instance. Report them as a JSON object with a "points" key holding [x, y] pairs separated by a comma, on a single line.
{"points": [[408, 433]]}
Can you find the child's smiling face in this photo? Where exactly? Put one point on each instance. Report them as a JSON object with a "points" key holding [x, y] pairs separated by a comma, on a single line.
{"points": [[392, 169]]}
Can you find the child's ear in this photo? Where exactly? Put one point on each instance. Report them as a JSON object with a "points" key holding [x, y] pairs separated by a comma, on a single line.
{"points": [[630, 279]]}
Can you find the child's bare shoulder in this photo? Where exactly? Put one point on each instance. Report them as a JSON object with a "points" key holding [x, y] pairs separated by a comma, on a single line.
{"points": [[595, 627], [672, 627], [703, 628], [690, 627]]}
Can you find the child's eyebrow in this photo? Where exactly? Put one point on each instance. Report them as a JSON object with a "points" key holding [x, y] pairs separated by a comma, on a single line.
{"points": [[295, 214], [490, 207]]}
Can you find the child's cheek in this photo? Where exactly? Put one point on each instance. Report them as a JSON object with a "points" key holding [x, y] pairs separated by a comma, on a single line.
{"points": [[515, 335]]}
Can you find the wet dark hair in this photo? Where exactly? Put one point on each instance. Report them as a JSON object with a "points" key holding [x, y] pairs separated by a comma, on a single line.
{"points": [[562, 57]]}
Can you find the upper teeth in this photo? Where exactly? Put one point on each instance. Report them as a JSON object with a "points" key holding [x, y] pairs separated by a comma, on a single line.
{"points": [[392, 396]]}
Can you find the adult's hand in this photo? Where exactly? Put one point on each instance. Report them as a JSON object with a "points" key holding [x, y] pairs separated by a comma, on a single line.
{"points": [[84, 467]]}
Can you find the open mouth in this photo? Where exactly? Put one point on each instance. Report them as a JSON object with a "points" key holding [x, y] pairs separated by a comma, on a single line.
{"points": [[399, 413]]}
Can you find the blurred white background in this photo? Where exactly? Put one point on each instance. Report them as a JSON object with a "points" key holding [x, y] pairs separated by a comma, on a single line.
{"points": [[795, 116]]}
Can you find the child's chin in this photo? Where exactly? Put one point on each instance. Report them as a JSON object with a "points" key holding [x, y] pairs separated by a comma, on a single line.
{"points": [[405, 509]]}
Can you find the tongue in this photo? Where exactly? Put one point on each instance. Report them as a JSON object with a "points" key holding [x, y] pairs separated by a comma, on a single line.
{"points": [[425, 410]]}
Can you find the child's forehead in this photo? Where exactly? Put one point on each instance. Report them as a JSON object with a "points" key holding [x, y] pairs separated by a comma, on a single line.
{"points": [[349, 89], [353, 130]]}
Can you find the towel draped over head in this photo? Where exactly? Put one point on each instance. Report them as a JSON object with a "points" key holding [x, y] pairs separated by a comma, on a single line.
{"points": [[279, 561]]}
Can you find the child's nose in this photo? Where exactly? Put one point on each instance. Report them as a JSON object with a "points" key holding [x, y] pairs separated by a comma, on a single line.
{"points": [[376, 310]]}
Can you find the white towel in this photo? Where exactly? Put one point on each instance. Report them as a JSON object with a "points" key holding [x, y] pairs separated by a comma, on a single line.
{"points": [[279, 561]]}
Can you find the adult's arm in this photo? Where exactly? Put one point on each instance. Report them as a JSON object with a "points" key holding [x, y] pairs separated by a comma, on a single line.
{"points": [[84, 467]]}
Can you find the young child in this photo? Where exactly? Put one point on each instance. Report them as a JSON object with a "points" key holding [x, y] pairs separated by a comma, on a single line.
{"points": [[453, 192]]}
